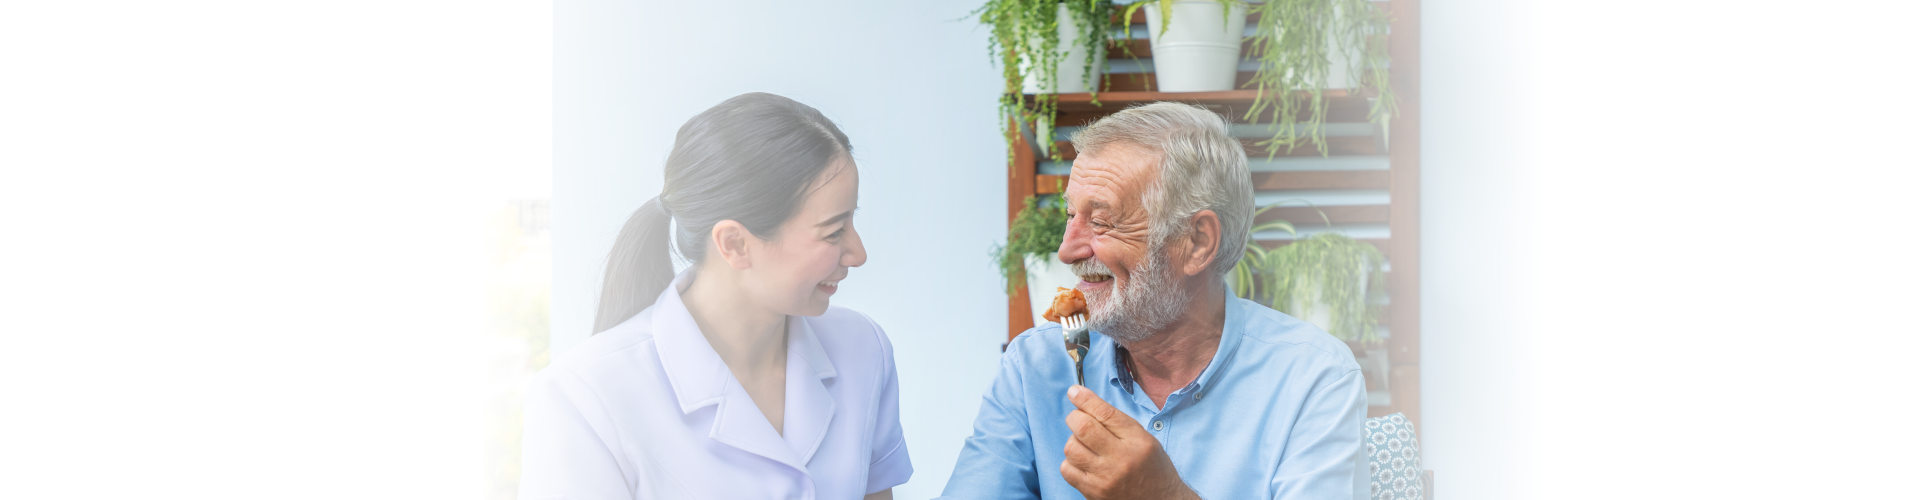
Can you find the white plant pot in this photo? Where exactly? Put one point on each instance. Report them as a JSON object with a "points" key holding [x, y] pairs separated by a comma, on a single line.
{"points": [[1043, 276], [1198, 53], [1070, 76]]}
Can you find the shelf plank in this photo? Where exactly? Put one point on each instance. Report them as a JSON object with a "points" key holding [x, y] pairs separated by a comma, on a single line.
{"points": [[1083, 100], [1337, 146], [1404, 285], [1380, 244], [1141, 48], [1141, 15], [1347, 214], [1020, 183], [1270, 181], [1354, 179], [1049, 184], [1080, 109], [1267, 181]]}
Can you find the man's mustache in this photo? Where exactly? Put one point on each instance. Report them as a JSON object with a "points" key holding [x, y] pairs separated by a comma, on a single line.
{"points": [[1090, 267]]}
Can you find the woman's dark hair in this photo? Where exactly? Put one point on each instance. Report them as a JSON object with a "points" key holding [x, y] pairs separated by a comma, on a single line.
{"points": [[749, 159]]}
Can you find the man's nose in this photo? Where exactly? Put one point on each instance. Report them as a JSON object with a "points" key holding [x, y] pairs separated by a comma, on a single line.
{"points": [[1074, 244]]}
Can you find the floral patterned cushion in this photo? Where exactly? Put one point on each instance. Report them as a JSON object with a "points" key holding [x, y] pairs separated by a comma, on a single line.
{"points": [[1394, 460]]}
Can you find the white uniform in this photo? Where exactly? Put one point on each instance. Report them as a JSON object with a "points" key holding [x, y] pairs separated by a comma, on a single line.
{"points": [[648, 410]]}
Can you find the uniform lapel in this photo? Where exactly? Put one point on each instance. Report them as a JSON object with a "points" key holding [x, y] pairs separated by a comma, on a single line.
{"points": [[810, 408], [700, 379]]}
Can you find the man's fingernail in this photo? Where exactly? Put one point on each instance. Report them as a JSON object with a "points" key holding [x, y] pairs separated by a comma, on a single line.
{"points": [[1074, 391]]}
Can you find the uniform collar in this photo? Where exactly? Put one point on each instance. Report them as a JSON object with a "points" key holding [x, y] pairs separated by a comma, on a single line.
{"points": [[700, 379]]}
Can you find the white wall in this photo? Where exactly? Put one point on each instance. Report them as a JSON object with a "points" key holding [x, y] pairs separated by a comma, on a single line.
{"points": [[1665, 249], [910, 83], [246, 244]]}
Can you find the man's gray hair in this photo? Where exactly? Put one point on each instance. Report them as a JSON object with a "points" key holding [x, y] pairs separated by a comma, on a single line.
{"points": [[1202, 168]]}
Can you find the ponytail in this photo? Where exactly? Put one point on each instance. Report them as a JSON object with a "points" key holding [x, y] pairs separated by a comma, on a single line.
{"points": [[638, 269], [748, 160]]}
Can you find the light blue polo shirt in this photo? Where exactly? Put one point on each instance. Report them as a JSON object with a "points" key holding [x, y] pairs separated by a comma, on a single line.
{"points": [[1276, 414]]}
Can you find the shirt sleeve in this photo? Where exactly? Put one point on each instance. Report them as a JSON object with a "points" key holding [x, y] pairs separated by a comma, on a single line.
{"points": [[889, 465], [1324, 457], [562, 457], [997, 461]]}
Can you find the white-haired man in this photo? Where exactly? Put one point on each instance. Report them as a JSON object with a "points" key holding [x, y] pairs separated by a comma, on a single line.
{"points": [[1191, 392]]}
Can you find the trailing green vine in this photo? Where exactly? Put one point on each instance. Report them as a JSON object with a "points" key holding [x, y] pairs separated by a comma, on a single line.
{"points": [[1026, 38], [1294, 42], [1326, 273], [1036, 231]]}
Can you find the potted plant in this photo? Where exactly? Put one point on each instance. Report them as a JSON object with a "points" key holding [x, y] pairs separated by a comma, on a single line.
{"points": [[1305, 46], [1045, 47], [1193, 52], [1028, 259], [1327, 279]]}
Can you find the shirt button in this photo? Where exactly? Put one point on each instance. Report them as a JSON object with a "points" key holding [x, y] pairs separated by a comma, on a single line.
{"points": [[1197, 396], [1157, 425]]}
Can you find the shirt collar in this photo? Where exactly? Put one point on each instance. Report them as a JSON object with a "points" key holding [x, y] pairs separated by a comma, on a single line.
{"points": [[1231, 327], [693, 369]]}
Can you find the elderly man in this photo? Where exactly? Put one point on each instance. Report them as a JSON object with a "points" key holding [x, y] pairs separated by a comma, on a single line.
{"points": [[1191, 391]]}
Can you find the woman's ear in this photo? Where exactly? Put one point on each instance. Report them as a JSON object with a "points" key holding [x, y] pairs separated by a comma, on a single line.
{"points": [[728, 240]]}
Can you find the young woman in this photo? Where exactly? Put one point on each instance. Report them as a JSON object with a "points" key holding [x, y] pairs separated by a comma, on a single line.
{"points": [[733, 379]]}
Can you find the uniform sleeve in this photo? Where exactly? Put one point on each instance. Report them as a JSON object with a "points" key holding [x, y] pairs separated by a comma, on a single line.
{"points": [[997, 461], [562, 457], [1324, 457], [889, 465]]}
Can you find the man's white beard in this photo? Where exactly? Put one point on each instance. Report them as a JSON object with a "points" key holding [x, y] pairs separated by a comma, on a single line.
{"points": [[1150, 301]]}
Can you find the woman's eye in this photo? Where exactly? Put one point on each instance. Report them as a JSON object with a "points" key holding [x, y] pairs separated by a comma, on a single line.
{"points": [[837, 234]]}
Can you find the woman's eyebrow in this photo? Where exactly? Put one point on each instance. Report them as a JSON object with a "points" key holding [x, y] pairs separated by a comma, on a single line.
{"points": [[838, 218]]}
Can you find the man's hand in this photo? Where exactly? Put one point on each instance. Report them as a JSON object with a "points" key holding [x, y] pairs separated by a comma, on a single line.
{"points": [[1111, 457]]}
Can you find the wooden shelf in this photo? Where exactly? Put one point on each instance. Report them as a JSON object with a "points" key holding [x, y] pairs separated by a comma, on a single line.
{"points": [[1083, 101], [1270, 181], [1079, 109], [1401, 145], [1337, 146]]}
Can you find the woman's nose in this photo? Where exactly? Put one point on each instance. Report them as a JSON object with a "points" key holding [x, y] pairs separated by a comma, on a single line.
{"points": [[856, 253]]}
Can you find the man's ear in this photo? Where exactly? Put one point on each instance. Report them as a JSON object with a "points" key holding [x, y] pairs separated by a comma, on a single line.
{"points": [[728, 240], [1204, 242]]}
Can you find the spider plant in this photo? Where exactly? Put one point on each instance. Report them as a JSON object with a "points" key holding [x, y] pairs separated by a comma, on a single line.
{"points": [[1327, 275], [1295, 41]]}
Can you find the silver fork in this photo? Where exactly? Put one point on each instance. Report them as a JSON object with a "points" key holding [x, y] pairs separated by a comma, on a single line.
{"points": [[1074, 331]]}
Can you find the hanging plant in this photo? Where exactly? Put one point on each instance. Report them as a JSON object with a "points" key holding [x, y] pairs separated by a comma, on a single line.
{"points": [[1327, 277], [1026, 42], [1297, 43], [1036, 231]]}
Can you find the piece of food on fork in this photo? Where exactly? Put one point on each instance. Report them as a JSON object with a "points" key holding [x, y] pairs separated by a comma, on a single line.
{"points": [[1070, 309], [1067, 302]]}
